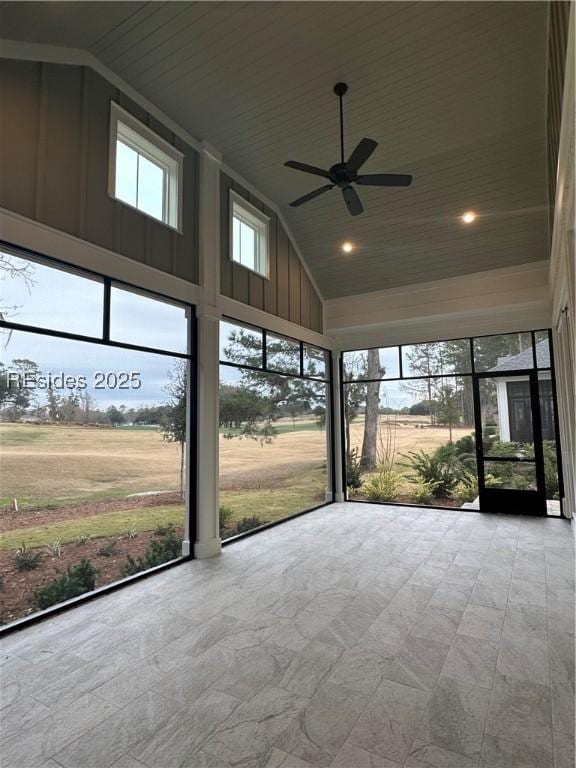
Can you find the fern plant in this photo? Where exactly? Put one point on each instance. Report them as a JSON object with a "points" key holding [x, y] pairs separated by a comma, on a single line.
{"points": [[440, 473]]}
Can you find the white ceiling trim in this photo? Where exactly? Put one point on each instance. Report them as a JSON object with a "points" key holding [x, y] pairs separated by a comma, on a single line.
{"points": [[477, 293], [55, 54]]}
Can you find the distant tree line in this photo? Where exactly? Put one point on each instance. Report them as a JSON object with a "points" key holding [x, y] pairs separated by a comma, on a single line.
{"points": [[77, 406]]}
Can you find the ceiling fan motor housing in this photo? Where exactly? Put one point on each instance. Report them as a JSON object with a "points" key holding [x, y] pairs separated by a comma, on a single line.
{"points": [[340, 175]]}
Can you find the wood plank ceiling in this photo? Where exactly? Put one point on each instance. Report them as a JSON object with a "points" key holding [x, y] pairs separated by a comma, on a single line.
{"points": [[453, 92]]}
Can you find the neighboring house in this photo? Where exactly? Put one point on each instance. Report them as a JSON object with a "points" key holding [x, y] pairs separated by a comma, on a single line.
{"points": [[513, 395]]}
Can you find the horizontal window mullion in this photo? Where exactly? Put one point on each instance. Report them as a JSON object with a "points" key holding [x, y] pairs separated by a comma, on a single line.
{"points": [[271, 372], [91, 339]]}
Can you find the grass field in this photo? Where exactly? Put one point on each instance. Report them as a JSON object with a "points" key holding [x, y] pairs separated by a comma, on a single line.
{"points": [[106, 524], [46, 467], [59, 464]]}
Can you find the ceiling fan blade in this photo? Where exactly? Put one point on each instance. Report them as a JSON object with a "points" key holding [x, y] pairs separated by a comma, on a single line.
{"points": [[352, 201], [311, 195], [307, 168], [361, 154], [385, 180]]}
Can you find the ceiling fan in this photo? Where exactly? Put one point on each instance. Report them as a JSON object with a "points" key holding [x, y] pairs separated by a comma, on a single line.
{"points": [[345, 173]]}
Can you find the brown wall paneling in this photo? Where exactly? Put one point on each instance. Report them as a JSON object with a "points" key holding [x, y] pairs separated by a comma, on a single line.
{"points": [[19, 88], [226, 287], [270, 286], [294, 277], [186, 245], [283, 280], [316, 313], [60, 164], [305, 289], [100, 213], [55, 150]]}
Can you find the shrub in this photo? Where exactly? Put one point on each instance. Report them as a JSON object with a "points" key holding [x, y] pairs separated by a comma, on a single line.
{"points": [[162, 530], [466, 493], [422, 493], [248, 523], [78, 579], [108, 549], [353, 470], [26, 560], [440, 472], [509, 448], [465, 445], [550, 469], [225, 517], [161, 550], [384, 485]]}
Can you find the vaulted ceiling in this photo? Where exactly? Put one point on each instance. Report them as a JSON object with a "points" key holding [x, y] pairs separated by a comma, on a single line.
{"points": [[454, 92]]}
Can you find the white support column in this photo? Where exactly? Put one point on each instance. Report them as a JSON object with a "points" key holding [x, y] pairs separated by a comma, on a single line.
{"points": [[208, 541], [338, 479]]}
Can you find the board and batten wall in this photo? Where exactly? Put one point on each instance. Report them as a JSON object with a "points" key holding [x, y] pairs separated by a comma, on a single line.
{"points": [[54, 150], [288, 292]]}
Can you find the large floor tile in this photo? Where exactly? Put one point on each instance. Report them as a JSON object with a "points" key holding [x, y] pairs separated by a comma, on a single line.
{"points": [[322, 726], [389, 723], [521, 712], [472, 660], [455, 717], [43, 739], [501, 753], [435, 638]]}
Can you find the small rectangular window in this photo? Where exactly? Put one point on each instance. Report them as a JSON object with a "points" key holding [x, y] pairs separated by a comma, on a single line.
{"points": [[145, 171], [249, 235]]}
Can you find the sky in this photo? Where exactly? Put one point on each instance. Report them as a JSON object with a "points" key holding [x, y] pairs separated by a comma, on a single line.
{"points": [[61, 301]]}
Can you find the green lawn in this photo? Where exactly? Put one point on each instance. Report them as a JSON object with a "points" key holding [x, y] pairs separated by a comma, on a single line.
{"points": [[108, 524], [293, 495]]}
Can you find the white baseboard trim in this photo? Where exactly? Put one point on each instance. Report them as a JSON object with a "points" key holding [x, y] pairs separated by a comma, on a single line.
{"points": [[209, 548]]}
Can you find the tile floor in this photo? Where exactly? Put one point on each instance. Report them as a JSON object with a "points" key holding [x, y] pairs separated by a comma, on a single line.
{"points": [[354, 637]]}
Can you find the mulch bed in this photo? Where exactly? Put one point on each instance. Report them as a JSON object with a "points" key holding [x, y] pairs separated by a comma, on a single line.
{"points": [[30, 517], [19, 586], [453, 503]]}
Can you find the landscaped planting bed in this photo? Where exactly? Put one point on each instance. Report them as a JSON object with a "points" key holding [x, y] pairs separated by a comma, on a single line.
{"points": [[108, 554]]}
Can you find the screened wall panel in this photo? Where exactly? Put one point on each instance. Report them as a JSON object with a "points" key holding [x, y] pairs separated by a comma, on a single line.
{"points": [[463, 423], [273, 438], [94, 403]]}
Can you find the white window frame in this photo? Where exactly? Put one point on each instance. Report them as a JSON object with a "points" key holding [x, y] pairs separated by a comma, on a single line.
{"points": [[241, 209], [126, 128]]}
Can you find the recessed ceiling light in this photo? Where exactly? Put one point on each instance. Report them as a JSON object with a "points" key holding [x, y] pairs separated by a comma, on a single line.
{"points": [[468, 217], [347, 247]]}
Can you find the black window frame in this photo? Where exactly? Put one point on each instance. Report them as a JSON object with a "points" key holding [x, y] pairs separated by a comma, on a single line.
{"points": [[473, 374], [104, 340], [327, 380]]}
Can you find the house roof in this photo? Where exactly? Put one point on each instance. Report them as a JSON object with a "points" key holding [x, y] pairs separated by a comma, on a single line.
{"points": [[453, 93], [524, 359]]}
